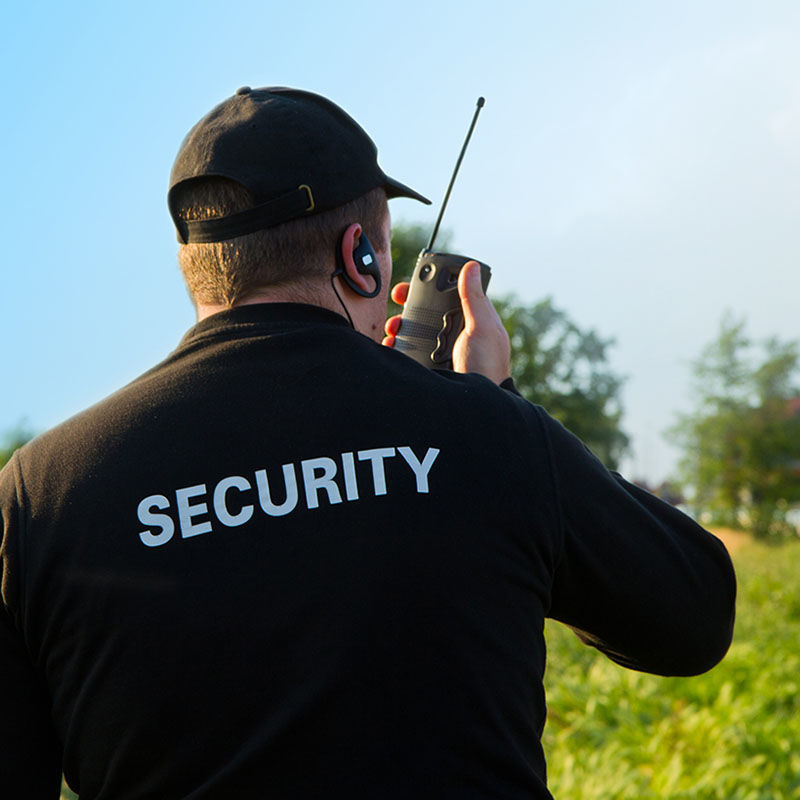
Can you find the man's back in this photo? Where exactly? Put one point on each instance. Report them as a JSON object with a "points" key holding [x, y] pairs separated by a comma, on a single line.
{"points": [[288, 562]]}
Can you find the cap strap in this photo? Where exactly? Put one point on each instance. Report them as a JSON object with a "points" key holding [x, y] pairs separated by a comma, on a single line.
{"points": [[219, 229]]}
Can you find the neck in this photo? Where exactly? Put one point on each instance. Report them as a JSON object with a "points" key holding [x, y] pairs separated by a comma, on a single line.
{"points": [[275, 294], [365, 316]]}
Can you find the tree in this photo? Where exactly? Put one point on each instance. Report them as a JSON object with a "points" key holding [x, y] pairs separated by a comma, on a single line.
{"points": [[742, 440], [565, 369], [13, 440], [554, 363]]}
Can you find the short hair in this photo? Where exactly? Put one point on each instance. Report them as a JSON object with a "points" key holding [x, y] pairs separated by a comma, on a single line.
{"points": [[299, 251]]}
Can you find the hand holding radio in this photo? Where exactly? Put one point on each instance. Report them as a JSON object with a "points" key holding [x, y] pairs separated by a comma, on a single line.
{"points": [[482, 345]]}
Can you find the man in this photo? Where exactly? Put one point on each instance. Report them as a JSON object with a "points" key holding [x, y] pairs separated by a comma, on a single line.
{"points": [[290, 562]]}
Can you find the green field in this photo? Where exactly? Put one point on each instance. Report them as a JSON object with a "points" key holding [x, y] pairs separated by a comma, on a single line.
{"points": [[732, 734]]}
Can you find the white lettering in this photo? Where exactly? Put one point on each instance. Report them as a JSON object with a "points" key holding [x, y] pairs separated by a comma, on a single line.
{"points": [[196, 515], [220, 505], [264, 498], [376, 456], [420, 470], [147, 517], [187, 511], [324, 481], [349, 470]]}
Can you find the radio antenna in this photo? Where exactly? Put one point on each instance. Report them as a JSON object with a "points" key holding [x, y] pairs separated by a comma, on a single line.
{"points": [[478, 108]]}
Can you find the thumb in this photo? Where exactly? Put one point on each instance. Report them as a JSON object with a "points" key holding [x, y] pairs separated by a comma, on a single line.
{"points": [[470, 290], [483, 345]]}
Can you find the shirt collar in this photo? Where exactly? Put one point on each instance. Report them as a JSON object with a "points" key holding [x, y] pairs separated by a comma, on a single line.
{"points": [[262, 317]]}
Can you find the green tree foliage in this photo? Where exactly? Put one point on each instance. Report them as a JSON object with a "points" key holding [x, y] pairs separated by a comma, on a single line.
{"points": [[565, 369], [554, 363], [741, 442], [11, 441]]}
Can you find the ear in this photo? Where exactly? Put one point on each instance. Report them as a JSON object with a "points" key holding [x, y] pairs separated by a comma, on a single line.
{"points": [[348, 243]]}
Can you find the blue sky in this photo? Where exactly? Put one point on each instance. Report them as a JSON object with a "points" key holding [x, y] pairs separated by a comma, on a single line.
{"points": [[637, 161]]}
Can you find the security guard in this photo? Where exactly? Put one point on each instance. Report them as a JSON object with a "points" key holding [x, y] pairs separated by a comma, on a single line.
{"points": [[290, 562]]}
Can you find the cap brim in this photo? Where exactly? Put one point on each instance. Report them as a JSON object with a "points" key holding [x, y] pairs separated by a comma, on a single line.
{"points": [[396, 189]]}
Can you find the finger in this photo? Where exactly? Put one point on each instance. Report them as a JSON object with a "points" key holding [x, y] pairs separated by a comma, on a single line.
{"points": [[470, 290], [400, 292], [392, 325], [388, 341]]}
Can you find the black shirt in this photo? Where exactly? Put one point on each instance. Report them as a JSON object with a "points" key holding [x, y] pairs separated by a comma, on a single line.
{"points": [[289, 563]]}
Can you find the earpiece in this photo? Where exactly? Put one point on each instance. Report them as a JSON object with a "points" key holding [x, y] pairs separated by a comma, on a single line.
{"points": [[366, 263]]}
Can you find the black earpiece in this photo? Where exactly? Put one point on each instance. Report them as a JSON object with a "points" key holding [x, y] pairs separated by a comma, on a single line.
{"points": [[366, 263]]}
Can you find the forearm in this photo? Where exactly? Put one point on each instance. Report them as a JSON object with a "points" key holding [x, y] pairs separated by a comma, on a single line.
{"points": [[637, 578]]}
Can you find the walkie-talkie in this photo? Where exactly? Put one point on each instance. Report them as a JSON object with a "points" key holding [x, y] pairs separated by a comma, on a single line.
{"points": [[432, 317]]}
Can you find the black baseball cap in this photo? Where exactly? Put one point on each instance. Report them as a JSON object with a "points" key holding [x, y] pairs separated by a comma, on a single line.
{"points": [[295, 151]]}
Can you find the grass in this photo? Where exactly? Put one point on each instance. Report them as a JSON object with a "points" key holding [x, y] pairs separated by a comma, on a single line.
{"points": [[731, 734]]}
